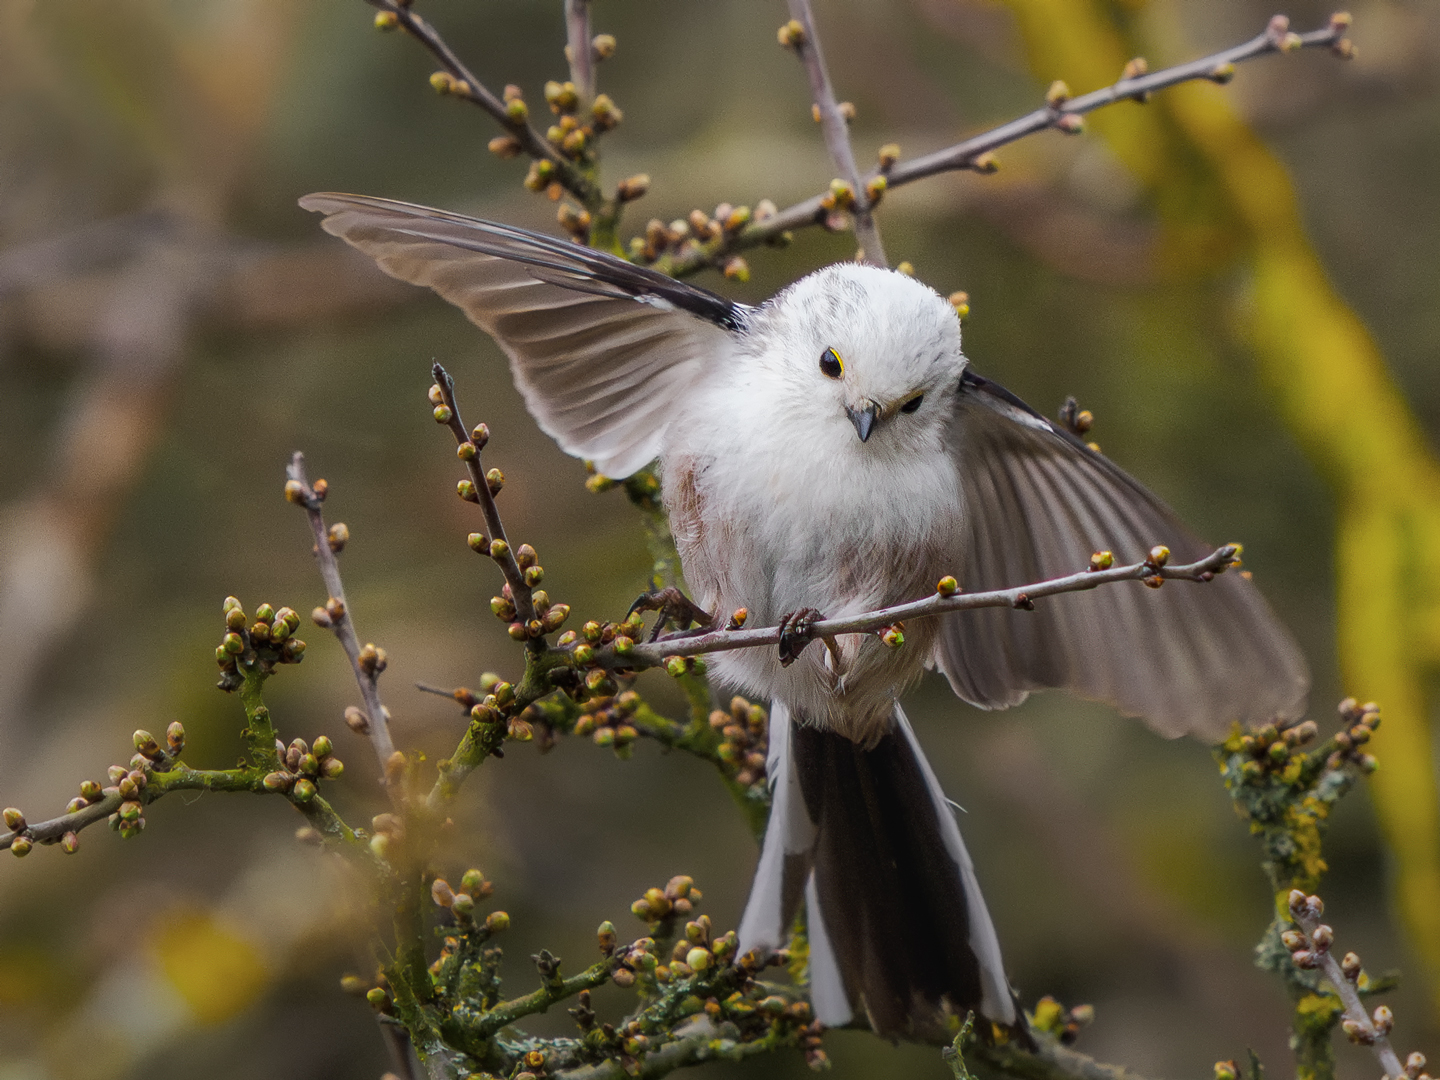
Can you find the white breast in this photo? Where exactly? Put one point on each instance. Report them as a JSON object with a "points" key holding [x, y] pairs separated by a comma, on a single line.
{"points": [[775, 512]]}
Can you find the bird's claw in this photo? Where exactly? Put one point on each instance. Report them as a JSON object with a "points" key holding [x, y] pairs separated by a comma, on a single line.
{"points": [[674, 607], [795, 633]]}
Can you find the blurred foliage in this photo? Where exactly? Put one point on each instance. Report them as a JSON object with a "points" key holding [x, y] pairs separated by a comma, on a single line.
{"points": [[1159, 270]]}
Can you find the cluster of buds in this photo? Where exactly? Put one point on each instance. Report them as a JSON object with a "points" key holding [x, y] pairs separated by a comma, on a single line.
{"points": [[267, 641], [744, 730], [1360, 724], [1310, 947], [1342, 46], [697, 951], [699, 231], [1155, 560], [608, 721], [1271, 750], [129, 783], [1281, 36], [302, 766], [584, 646], [658, 906], [461, 903], [1065, 1024], [549, 615]]}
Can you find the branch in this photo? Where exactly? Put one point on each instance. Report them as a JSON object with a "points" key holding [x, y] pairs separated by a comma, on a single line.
{"points": [[179, 778], [578, 49], [1312, 950], [1060, 111], [800, 35], [470, 444], [464, 84], [367, 663], [945, 599]]}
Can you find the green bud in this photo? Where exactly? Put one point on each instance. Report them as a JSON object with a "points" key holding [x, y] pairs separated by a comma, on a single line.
{"points": [[472, 882], [377, 997], [332, 768], [463, 905], [20, 847], [235, 619], [698, 959], [497, 921], [233, 644], [303, 791]]}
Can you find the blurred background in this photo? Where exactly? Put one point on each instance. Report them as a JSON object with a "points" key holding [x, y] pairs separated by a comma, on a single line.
{"points": [[1243, 284]]}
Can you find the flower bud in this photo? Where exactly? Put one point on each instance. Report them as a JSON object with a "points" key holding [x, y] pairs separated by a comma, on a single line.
{"points": [[441, 892], [14, 819], [356, 720], [70, 843], [303, 791], [497, 921], [623, 978], [20, 847]]}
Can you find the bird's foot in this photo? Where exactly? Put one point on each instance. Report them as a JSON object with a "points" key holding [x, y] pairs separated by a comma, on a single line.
{"points": [[795, 633], [673, 607]]}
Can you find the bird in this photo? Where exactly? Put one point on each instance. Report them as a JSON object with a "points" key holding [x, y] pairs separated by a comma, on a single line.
{"points": [[831, 452]]}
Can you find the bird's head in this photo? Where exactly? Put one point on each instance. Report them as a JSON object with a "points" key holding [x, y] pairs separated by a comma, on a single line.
{"points": [[872, 354]]}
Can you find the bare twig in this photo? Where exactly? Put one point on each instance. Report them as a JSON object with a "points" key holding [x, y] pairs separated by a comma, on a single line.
{"points": [[499, 545], [1058, 112], [300, 491], [470, 88], [1315, 951], [833, 125], [578, 49], [637, 656]]}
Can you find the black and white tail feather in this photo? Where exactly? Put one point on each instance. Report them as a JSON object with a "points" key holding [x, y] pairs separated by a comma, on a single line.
{"points": [[897, 928]]}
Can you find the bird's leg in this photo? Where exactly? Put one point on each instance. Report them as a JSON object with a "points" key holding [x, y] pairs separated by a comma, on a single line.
{"points": [[795, 633], [674, 607]]}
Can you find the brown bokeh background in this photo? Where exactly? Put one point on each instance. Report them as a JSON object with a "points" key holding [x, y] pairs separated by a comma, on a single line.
{"points": [[172, 326]]}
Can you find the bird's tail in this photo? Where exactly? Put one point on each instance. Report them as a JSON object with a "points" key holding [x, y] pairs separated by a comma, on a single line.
{"points": [[897, 928]]}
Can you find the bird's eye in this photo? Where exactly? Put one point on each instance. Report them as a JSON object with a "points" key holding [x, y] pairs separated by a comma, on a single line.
{"points": [[831, 364], [913, 403]]}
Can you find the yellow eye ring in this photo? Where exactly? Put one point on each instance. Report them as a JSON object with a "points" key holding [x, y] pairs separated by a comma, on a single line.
{"points": [[831, 364]]}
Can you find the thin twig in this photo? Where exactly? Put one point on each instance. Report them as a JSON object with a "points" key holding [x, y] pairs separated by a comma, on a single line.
{"points": [[341, 623], [836, 131], [938, 603], [1306, 911], [579, 50], [970, 154], [504, 556], [180, 777], [473, 90]]}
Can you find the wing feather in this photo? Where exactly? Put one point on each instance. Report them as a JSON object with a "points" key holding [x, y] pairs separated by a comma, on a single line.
{"points": [[1187, 658], [602, 350]]}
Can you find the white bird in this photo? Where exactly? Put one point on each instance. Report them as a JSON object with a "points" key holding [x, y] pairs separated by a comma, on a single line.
{"points": [[831, 451]]}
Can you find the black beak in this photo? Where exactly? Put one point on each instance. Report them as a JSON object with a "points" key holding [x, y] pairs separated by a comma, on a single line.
{"points": [[864, 419]]}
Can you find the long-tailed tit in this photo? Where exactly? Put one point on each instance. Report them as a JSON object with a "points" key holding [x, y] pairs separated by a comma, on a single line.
{"points": [[831, 451]]}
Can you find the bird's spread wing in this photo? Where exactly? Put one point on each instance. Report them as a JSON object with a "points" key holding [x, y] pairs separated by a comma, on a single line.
{"points": [[601, 349], [1188, 658]]}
